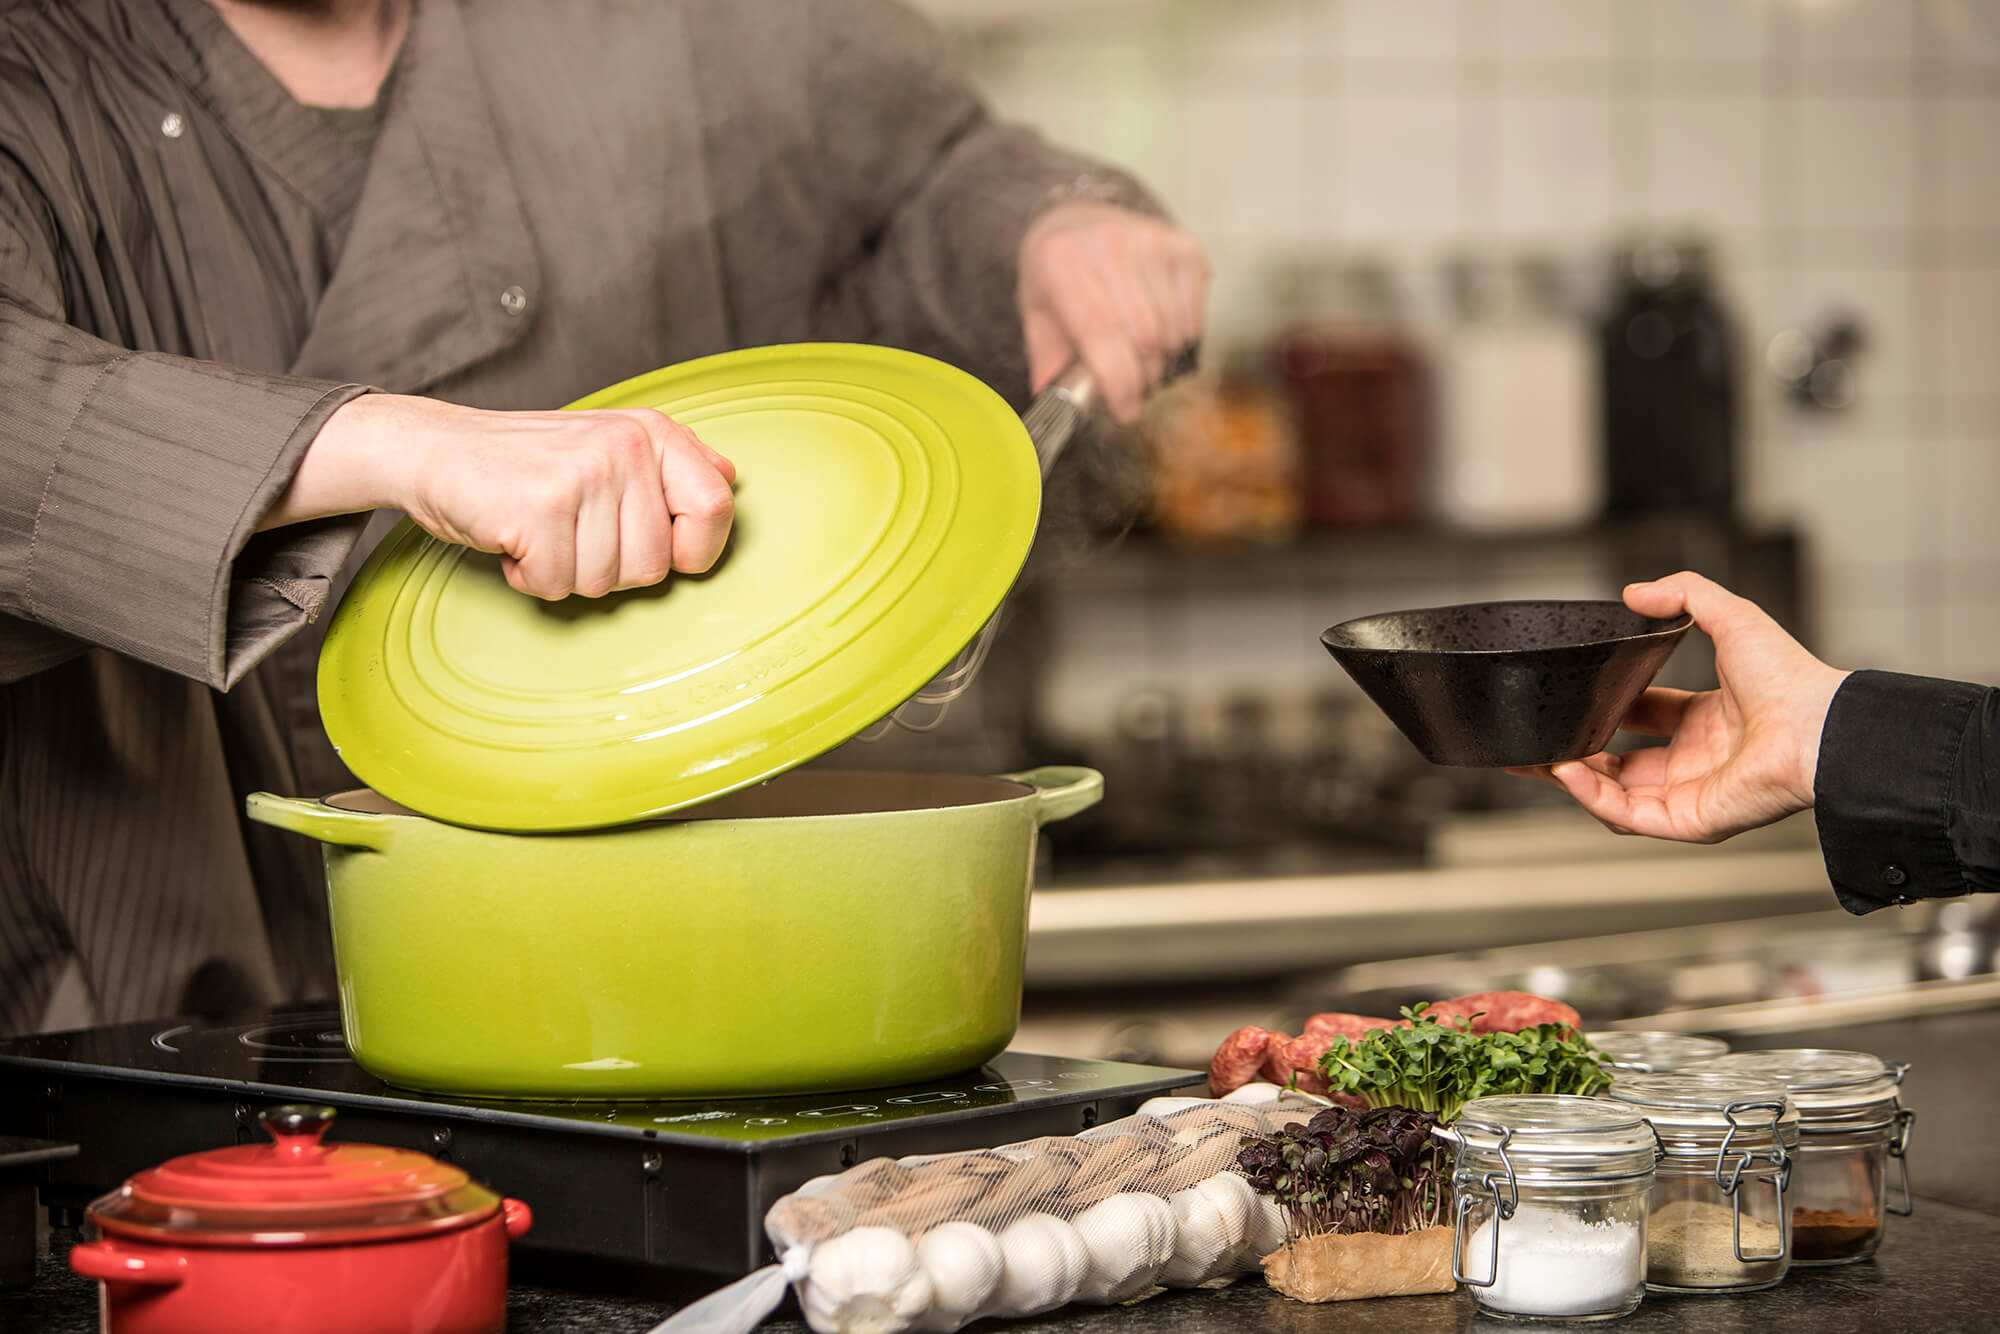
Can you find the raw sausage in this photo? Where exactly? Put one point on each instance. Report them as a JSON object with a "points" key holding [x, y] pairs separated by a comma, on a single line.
{"points": [[1287, 1058], [1238, 1058], [1251, 1052], [1505, 1011], [1334, 1024]]}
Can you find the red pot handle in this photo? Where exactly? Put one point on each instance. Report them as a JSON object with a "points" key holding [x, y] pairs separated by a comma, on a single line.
{"points": [[518, 1217], [109, 1262]]}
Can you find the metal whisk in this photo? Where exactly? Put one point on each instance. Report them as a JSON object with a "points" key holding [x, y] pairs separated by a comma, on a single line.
{"points": [[1052, 420]]}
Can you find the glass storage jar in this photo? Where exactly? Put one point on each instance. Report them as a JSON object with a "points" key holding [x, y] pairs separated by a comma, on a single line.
{"points": [[1652, 1052], [1549, 1205], [1719, 1220], [1850, 1124]]}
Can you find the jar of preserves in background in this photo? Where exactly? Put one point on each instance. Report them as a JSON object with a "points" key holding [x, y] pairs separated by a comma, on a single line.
{"points": [[1226, 460]]}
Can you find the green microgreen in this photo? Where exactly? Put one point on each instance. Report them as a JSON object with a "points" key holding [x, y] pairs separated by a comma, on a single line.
{"points": [[1439, 1067]]}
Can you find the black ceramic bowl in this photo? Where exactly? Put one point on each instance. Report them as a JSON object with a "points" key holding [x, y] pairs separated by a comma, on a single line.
{"points": [[1506, 683]]}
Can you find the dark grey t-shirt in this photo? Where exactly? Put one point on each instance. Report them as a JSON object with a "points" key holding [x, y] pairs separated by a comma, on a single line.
{"points": [[359, 125]]}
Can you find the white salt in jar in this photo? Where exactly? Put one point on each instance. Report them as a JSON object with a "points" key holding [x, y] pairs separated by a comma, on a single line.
{"points": [[1550, 1198]]}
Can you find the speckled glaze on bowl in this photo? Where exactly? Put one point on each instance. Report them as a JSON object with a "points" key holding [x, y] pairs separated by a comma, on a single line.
{"points": [[1493, 684]]}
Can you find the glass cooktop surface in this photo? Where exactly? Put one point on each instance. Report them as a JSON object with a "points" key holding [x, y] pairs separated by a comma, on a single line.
{"points": [[299, 1055]]}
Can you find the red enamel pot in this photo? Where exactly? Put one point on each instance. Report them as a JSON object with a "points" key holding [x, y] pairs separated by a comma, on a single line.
{"points": [[302, 1237]]}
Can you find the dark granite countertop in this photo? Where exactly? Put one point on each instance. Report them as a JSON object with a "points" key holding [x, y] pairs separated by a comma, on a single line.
{"points": [[1935, 1272]]}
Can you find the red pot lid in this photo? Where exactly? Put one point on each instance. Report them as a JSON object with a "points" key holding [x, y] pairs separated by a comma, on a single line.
{"points": [[295, 1191]]}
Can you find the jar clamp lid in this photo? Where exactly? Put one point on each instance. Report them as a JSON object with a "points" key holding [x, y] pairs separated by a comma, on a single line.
{"points": [[1541, 1139], [1851, 1087], [1648, 1051], [1744, 1119], [1552, 1138]]}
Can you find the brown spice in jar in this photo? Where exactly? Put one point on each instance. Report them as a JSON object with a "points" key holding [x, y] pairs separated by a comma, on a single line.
{"points": [[1692, 1244], [1831, 1234]]}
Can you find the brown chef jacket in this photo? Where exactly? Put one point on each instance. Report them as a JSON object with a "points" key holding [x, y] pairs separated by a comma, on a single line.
{"points": [[195, 271]]}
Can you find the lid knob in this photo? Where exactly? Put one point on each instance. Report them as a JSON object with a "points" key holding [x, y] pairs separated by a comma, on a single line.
{"points": [[297, 1127]]}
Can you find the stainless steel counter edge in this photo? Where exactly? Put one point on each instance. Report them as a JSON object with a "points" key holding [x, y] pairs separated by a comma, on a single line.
{"points": [[1255, 927]]}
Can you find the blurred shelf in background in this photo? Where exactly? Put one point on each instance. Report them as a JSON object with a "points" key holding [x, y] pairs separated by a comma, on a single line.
{"points": [[1795, 964], [1762, 562], [1234, 748]]}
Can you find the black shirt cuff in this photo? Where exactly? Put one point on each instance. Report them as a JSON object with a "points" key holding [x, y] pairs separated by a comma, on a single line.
{"points": [[1886, 788]]}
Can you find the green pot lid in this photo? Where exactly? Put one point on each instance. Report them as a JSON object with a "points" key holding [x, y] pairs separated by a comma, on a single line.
{"points": [[884, 503]]}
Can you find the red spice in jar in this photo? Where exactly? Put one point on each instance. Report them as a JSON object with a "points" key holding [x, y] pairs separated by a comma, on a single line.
{"points": [[1831, 1234]]}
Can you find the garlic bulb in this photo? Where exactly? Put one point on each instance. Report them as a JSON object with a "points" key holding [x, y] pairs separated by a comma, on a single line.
{"points": [[1129, 1236], [1168, 1106], [1046, 1264], [801, 1217], [1267, 1231], [1241, 1208], [1254, 1094], [1211, 1227], [827, 1183], [1216, 1117], [964, 1262], [866, 1281]]}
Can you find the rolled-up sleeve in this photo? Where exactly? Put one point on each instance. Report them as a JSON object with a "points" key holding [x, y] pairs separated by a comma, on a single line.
{"points": [[1907, 794], [131, 485]]}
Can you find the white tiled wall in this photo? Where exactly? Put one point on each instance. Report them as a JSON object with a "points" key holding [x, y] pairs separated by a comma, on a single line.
{"points": [[1840, 153]]}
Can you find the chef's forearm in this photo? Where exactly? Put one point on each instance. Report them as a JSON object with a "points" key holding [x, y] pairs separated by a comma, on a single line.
{"points": [[352, 464], [132, 482]]}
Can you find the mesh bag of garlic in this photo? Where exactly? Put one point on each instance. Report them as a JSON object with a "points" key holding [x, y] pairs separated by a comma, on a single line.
{"points": [[936, 1241]]}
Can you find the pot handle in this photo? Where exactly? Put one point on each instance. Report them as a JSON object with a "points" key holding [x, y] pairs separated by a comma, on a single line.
{"points": [[1061, 790], [108, 1262], [316, 819], [517, 1217]]}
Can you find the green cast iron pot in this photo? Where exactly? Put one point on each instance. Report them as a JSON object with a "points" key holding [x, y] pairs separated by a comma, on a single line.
{"points": [[822, 931]]}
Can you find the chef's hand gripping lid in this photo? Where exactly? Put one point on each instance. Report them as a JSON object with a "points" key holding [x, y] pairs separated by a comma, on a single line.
{"points": [[884, 504]]}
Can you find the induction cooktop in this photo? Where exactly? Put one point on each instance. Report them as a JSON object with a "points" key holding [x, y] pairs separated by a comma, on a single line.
{"points": [[673, 1185]]}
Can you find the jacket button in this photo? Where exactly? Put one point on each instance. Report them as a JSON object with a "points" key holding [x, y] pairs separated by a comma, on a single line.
{"points": [[1893, 875], [172, 125], [514, 300]]}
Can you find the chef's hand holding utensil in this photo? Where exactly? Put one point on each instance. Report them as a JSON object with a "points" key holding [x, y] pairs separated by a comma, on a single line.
{"points": [[1121, 291], [572, 502], [1737, 757]]}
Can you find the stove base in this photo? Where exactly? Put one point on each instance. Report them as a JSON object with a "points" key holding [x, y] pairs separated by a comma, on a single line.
{"points": [[656, 1186]]}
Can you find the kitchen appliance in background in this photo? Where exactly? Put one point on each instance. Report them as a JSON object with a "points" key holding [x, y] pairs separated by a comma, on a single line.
{"points": [[23, 1160], [1357, 382], [1517, 403], [1670, 401]]}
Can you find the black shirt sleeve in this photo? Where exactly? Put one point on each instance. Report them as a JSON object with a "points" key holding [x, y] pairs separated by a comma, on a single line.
{"points": [[1907, 796]]}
